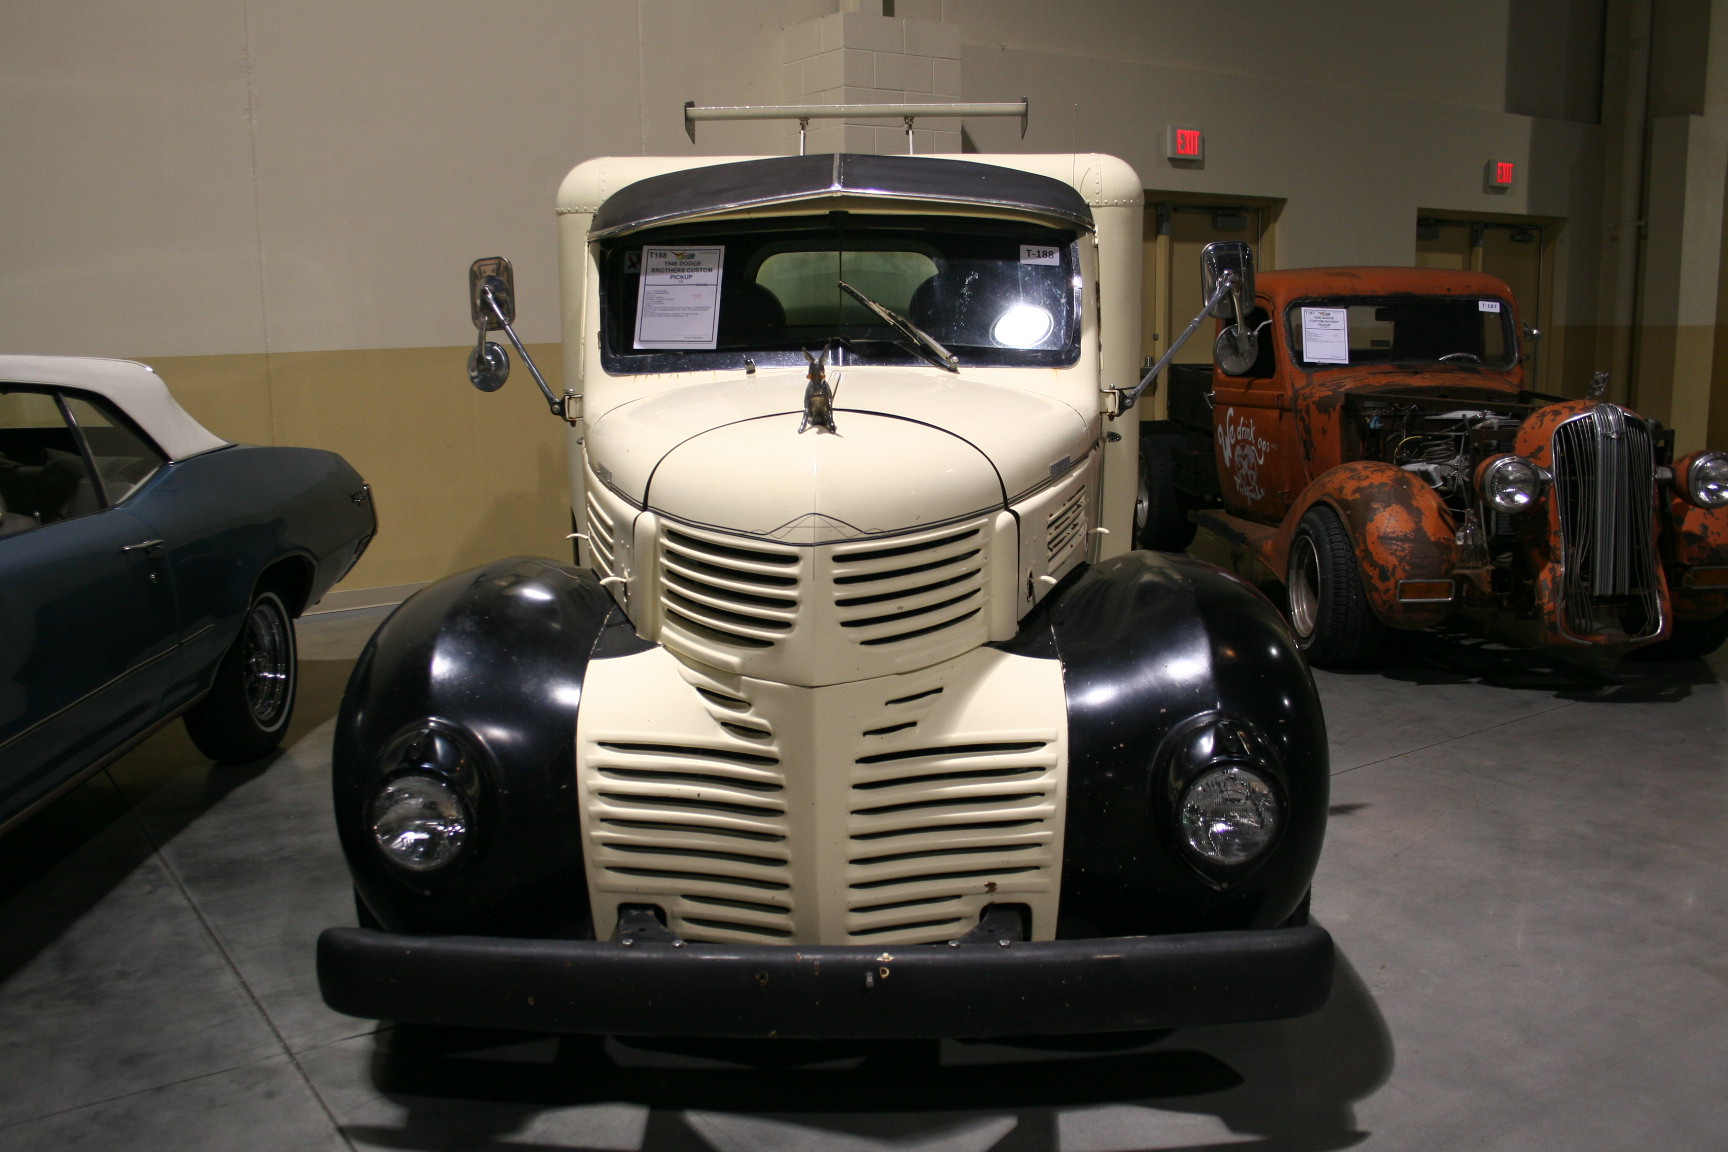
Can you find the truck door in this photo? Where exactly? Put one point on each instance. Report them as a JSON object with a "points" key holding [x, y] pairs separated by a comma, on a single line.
{"points": [[1259, 451]]}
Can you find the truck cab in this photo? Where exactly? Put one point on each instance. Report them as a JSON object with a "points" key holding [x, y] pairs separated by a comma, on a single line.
{"points": [[857, 714]]}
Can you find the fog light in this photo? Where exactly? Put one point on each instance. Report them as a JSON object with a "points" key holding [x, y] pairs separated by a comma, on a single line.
{"points": [[1022, 326], [1510, 483], [1707, 480], [419, 822], [1229, 815]]}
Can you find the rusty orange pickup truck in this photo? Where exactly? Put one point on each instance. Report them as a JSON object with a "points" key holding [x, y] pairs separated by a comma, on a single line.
{"points": [[1380, 456]]}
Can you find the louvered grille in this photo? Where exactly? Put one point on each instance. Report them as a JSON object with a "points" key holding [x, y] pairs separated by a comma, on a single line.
{"points": [[1604, 485], [889, 593], [700, 829], [823, 613], [602, 538], [721, 590], [1065, 531], [932, 826], [884, 811]]}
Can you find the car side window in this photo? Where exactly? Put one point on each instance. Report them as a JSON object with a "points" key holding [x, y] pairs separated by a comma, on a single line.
{"points": [[124, 460], [43, 475]]}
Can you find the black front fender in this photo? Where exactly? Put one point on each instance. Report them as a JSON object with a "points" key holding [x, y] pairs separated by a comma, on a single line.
{"points": [[494, 659], [1156, 648]]}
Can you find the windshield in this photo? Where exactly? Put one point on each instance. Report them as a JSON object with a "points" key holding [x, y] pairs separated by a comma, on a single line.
{"points": [[1401, 330], [692, 297]]}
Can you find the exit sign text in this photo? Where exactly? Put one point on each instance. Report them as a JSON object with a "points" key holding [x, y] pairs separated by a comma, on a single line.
{"points": [[1185, 144]]}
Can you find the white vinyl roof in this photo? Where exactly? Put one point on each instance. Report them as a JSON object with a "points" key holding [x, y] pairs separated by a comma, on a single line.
{"points": [[134, 388]]}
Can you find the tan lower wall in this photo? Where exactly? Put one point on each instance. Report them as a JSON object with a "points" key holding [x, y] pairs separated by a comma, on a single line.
{"points": [[459, 477], [1674, 381]]}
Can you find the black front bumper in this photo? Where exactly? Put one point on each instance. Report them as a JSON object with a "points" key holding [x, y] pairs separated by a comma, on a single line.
{"points": [[925, 990]]}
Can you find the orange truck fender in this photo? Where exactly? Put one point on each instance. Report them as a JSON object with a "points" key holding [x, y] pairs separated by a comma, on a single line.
{"points": [[1401, 529]]}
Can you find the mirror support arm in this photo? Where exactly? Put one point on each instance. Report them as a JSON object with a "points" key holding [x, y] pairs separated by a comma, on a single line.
{"points": [[555, 403], [1126, 399]]}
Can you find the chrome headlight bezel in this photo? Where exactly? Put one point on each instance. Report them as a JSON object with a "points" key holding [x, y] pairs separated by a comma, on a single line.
{"points": [[1230, 815], [439, 767], [419, 822], [1215, 749], [1510, 483], [1703, 479]]}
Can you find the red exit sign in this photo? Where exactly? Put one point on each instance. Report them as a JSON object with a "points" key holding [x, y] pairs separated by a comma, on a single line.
{"points": [[1185, 144], [1500, 173]]}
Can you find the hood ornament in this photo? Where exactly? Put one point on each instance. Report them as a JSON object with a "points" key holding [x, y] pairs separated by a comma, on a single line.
{"points": [[1598, 387], [818, 396]]}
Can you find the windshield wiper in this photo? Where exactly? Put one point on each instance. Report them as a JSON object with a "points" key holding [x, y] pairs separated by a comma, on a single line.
{"points": [[926, 343]]}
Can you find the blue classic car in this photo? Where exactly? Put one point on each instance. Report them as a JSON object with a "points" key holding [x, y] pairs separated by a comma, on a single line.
{"points": [[148, 570]]}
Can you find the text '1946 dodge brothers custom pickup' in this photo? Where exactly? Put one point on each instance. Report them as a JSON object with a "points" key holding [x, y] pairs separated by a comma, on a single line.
{"points": [[859, 715]]}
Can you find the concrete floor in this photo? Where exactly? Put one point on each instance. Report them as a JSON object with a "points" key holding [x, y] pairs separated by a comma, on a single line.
{"points": [[1524, 874]]}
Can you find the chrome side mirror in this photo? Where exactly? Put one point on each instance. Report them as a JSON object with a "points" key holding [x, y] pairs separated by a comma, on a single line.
{"points": [[1233, 258], [492, 294], [1227, 279], [492, 307]]}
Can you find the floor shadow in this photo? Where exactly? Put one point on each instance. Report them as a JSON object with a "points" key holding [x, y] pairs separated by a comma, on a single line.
{"points": [[55, 866], [1448, 657], [1286, 1085]]}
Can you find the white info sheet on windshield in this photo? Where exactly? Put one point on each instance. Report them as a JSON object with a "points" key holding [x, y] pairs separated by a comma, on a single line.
{"points": [[678, 302], [1326, 335]]}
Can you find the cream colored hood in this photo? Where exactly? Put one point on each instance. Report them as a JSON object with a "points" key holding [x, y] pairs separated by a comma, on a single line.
{"points": [[911, 449]]}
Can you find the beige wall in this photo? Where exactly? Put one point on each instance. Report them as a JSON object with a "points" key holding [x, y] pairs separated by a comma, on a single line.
{"points": [[275, 203]]}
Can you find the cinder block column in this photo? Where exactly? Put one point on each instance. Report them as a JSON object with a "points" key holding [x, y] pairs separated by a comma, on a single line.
{"points": [[863, 57]]}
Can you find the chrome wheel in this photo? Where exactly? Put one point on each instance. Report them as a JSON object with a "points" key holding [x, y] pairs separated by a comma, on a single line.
{"points": [[267, 660], [1304, 586], [251, 697]]}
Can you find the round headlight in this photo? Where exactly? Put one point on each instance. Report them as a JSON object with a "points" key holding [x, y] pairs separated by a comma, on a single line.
{"points": [[1229, 815], [1707, 480], [419, 822], [1022, 326], [1511, 483]]}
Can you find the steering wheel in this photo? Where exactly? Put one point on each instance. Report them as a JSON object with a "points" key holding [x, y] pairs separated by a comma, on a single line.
{"points": [[1470, 356]]}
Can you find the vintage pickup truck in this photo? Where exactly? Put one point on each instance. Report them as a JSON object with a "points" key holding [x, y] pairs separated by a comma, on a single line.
{"points": [[1380, 456], [858, 715]]}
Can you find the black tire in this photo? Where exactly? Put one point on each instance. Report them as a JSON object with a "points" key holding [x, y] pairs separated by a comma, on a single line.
{"points": [[252, 698], [1160, 514], [1329, 612], [1687, 640]]}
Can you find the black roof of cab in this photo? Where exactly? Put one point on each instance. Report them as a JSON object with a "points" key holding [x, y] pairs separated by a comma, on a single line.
{"points": [[782, 179]]}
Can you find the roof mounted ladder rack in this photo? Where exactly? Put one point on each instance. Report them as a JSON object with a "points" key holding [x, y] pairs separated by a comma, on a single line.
{"points": [[804, 113]]}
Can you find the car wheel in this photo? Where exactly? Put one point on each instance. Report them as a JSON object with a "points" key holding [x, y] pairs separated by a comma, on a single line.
{"points": [[1329, 612], [252, 696], [1160, 514], [1687, 640]]}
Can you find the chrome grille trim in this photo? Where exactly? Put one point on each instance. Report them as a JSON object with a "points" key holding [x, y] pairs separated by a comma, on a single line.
{"points": [[1604, 486]]}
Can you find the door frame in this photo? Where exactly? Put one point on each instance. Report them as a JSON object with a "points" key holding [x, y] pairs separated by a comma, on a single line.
{"points": [[1159, 323]]}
